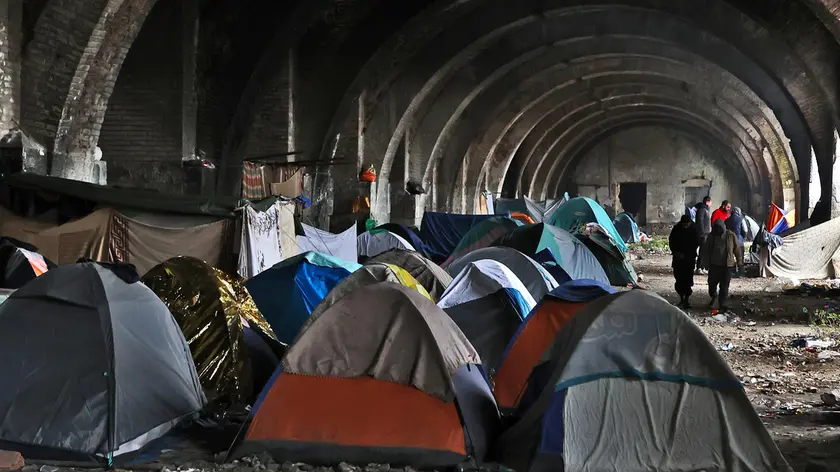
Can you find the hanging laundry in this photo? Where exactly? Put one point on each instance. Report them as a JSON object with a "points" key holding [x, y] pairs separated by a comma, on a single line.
{"points": [[260, 246]]}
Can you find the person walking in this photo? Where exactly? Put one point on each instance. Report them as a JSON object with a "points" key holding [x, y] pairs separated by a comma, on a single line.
{"points": [[722, 257], [703, 225], [735, 223], [683, 243], [723, 212]]}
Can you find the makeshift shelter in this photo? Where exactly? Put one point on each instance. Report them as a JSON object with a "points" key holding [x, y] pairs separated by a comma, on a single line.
{"points": [[216, 313], [342, 245], [573, 256], [370, 274], [287, 293], [393, 382], [430, 275], [537, 334], [20, 263], [409, 234], [536, 279], [488, 302], [482, 235], [806, 254], [614, 262], [631, 380], [443, 231], [372, 244], [627, 228], [580, 211], [94, 367]]}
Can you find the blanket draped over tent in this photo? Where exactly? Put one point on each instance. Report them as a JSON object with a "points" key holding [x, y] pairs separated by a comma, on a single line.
{"points": [[342, 245], [808, 253]]}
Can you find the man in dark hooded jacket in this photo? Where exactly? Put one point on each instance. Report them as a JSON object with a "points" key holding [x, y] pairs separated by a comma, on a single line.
{"points": [[722, 256], [703, 225], [684, 242], [735, 224]]}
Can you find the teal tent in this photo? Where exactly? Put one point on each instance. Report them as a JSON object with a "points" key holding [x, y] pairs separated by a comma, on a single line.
{"points": [[579, 212]]}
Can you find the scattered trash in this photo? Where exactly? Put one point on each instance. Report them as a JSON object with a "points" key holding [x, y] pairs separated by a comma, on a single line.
{"points": [[726, 347], [826, 355], [720, 318], [810, 342]]}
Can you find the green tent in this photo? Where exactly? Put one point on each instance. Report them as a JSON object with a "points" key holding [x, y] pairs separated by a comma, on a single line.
{"points": [[483, 235], [580, 211]]}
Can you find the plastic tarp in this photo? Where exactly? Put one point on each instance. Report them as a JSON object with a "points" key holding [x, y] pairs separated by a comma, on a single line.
{"points": [[535, 278], [776, 221], [483, 235], [342, 245], [287, 293], [356, 338], [579, 211], [808, 253], [572, 254], [370, 244], [443, 231]]}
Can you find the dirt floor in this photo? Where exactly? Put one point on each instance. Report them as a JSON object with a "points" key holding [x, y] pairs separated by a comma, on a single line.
{"points": [[784, 382]]}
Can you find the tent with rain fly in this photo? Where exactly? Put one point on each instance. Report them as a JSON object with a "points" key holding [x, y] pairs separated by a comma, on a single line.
{"points": [[443, 231], [373, 243], [20, 263], [631, 380], [393, 382], [488, 302], [482, 235], [573, 256], [580, 211], [536, 335], [627, 228], [233, 347], [370, 274], [429, 274], [118, 376], [618, 269], [287, 293], [535, 278]]}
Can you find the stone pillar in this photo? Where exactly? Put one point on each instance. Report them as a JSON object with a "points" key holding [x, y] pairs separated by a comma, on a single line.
{"points": [[189, 100], [10, 62]]}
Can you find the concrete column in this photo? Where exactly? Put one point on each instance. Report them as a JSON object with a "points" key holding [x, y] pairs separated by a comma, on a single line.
{"points": [[10, 62], [293, 86], [189, 100]]}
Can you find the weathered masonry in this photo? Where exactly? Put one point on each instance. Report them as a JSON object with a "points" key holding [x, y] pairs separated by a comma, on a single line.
{"points": [[534, 97]]}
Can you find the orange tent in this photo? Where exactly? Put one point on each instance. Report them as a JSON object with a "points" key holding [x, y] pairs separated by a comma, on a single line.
{"points": [[522, 217], [527, 348], [394, 381]]}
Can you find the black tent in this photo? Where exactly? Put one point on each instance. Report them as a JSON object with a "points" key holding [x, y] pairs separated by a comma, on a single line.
{"points": [[20, 263], [94, 367]]}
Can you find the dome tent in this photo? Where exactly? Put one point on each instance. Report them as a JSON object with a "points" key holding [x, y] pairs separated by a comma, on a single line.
{"points": [[617, 353], [129, 380], [429, 274], [535, 278], [391, 382], [20, 263]]}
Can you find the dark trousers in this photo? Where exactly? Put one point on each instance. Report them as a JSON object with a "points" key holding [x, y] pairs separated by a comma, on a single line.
{"points": [[719, 276], [684, 277], [701, 252]]}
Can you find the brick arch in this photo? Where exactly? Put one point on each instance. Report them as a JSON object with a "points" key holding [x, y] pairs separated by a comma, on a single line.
{"points": [[69, 70]]}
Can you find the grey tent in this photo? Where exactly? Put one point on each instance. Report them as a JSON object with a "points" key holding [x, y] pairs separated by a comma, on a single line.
{"points": [[429, 274], [750, 228], [94, 367], [488, 302], [535, 278]]}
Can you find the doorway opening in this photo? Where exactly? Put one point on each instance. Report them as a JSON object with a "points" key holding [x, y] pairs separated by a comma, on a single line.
{"points": [[633, 199], [695, 195]]}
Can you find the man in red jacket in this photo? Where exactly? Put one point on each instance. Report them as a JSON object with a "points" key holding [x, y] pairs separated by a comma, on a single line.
{"points": [[723, 212]]}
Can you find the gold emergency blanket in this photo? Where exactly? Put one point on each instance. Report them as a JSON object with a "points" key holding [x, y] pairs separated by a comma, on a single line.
{"points": [[212, 310]]}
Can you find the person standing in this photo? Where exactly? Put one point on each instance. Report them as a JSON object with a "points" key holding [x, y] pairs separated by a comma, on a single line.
{"points": [[683, 243], [735, 223], [703, 225], [722, 257], [723, 212]]}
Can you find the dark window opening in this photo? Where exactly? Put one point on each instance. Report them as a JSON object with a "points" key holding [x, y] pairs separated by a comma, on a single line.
{"points": [[633, 199]]}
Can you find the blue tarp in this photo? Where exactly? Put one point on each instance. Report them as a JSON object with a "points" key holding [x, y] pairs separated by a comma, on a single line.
{"points": [[441, 232], [581, 291], [287, 293]]}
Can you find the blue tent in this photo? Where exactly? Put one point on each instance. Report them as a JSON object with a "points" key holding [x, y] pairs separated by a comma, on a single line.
{"points": [[287, 293], [578, 212], [627, 228], [443, 231]]}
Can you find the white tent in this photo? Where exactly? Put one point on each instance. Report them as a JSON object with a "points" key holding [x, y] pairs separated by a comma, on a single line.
{"points": [[373, 244]]}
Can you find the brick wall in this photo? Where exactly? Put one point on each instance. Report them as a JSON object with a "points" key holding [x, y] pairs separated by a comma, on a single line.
{"points": [[269, 132], [141, 134]]}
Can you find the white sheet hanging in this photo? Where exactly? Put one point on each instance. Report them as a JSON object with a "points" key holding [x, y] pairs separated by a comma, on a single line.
{"points": [[342, 245], [260, 246]]}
